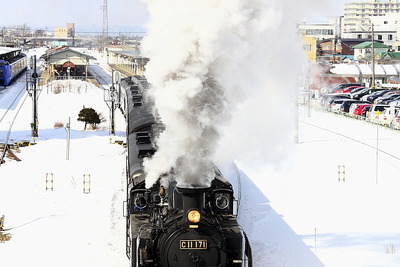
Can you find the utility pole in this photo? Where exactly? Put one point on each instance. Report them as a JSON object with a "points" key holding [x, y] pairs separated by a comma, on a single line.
{"points": [[373, 58]]}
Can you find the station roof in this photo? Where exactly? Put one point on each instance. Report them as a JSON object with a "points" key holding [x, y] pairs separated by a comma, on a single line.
{"points": [[128, 51], [63, 49], [365, 69]]}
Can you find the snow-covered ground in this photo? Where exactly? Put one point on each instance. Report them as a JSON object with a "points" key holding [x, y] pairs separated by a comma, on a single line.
{"points": [[297, 215], [345, 223], [63, 227]]}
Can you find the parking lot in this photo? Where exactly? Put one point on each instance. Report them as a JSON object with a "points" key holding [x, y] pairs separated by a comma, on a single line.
{"points": [[376, 105]]}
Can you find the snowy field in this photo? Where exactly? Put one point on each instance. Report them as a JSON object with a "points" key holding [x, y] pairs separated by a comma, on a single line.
{"points": [[345, 223], [297, 215]]}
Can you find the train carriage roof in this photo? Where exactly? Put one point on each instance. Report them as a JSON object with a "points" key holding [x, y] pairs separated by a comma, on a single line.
{"points": [[5, 50], [10, 53]]}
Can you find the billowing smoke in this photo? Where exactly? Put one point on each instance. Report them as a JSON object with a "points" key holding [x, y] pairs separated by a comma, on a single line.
{"points": [[223, 74]]}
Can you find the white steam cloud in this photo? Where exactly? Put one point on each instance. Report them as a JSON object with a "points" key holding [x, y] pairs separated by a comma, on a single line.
{"points": [[222, 72]]}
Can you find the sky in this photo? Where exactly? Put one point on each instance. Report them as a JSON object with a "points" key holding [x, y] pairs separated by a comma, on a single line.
{"points": [[123, 15], [87, 15]]}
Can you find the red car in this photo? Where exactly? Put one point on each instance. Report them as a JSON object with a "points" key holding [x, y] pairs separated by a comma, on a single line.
{"points": [[348, 89], [358, 111]]}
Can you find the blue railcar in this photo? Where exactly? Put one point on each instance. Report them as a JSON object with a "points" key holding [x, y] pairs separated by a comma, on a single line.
{"points": [[10, 70]]}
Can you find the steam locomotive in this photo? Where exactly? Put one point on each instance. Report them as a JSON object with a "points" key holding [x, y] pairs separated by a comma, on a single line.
{"points": [[174, 226]]}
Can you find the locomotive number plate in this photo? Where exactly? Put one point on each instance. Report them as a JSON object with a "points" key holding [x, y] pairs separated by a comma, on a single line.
{"points": [[193, 244]]}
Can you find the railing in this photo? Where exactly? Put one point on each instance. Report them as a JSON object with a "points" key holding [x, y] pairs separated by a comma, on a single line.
{"points": [[82, 78]]}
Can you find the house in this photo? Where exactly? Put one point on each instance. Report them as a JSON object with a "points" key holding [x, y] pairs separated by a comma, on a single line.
{"points": [[337, 50], [363, 51], [389, 57]]}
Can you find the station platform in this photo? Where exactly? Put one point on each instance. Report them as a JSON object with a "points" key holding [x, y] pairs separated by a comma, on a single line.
{"points": [[126, 72]]}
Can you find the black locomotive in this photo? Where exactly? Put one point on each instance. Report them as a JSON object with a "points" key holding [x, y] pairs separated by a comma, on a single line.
{"points": [[173, 226]]}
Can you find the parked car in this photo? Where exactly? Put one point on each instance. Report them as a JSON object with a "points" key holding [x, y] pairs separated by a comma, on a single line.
{"points": [[356, 89], [327, 99], [337, 103], [390, 99], [373, 114], [374, 95], [395, 103], [356, 109], [361, 93], [340, 86], [387, 115], [385, 96], [348, 89], [364, 111], [395, 122], [345, 107]]}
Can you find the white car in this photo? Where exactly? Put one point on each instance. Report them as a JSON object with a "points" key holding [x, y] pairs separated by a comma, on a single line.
{"points": [[335, 106]]}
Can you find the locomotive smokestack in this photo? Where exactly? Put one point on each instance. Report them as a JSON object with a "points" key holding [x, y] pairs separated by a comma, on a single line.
{"points": [[190, 198]]}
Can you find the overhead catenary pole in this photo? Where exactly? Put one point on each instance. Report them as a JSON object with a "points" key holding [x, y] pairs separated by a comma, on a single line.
{"points": [[34, 124], [113, 98], [112, 89]]}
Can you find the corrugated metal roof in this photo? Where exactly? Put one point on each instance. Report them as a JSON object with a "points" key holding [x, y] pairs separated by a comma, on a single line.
{"points": [[369, 45], [52, 52], [364, 69], [133, 53]]}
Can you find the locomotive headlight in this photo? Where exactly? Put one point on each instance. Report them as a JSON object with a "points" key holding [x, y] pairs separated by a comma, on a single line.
{"points": [[193, 216]]}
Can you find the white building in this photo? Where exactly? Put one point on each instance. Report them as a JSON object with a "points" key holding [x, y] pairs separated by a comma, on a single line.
{"points": [[358, 15], [386, 29], [318, 31]]}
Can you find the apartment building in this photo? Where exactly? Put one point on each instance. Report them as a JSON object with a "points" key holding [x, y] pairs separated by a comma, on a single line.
{"points": [[358, 15]]}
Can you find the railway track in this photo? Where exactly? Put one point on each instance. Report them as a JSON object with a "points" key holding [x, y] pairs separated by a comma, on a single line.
{"points": [[13, 102], [9, 115]]}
